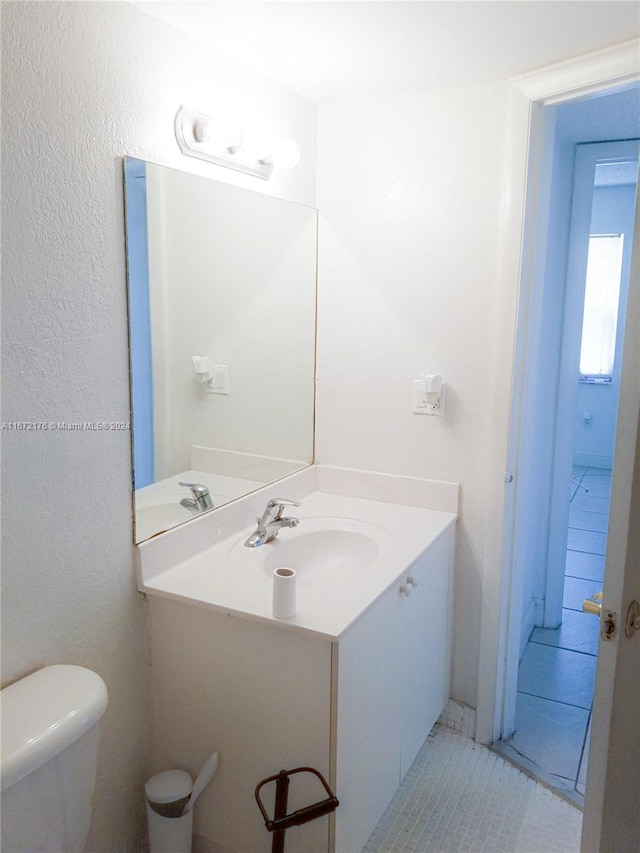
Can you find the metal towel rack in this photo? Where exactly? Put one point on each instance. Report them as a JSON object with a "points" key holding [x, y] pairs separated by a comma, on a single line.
{"points": [[282, 821]]}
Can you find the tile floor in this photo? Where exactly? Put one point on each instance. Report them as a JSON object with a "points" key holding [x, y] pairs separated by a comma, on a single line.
{"points": [[557, 670], [460, 796]]}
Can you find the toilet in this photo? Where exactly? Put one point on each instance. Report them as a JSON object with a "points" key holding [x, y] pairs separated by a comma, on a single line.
{"points": [[48, 759]]}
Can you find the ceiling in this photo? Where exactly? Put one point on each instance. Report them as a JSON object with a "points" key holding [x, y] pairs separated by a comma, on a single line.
{"points": [[341, 50]]}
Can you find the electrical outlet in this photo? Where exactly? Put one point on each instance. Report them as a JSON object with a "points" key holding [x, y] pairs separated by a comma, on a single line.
{"points": [[421, 405]]}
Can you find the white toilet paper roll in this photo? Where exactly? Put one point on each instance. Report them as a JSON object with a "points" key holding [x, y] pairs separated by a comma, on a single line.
{"points": [[284, 593]]}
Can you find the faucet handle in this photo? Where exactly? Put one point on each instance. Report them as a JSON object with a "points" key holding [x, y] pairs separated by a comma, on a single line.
{"points": [[199, 491], [282, 502]]}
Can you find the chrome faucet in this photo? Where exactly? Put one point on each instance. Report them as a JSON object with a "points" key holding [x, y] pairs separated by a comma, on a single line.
{"points": [[201, 500], [271, 522]]}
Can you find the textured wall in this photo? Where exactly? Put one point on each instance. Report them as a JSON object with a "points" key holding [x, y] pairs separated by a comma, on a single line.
{"points": [[83, 84], [409, 195]]}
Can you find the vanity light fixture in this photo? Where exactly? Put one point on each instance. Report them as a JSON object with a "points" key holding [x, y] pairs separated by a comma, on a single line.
{"points": [[244, 151]]}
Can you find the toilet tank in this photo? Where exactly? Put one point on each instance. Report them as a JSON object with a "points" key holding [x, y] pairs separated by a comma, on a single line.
{"points": [[48, 758]]}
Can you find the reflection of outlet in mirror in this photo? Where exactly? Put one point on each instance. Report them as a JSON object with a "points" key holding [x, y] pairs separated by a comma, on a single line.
{"points": [[219, 382], [421, 405]]}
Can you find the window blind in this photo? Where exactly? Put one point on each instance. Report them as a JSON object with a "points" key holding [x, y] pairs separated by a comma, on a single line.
{"points": [[602, 295]]}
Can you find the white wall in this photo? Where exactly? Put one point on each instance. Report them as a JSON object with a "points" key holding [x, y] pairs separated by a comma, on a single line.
{"points": [[409, 192], [83, 84]]}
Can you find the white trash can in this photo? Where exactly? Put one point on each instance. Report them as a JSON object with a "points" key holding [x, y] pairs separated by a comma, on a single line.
{"points": [[167, 793]]}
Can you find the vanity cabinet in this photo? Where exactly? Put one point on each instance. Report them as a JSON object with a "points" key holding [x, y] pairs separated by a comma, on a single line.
{"points": [[392, 685], [357, 707]]}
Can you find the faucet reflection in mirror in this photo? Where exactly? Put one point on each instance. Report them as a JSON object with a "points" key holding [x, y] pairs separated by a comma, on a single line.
{"points": [[245, 151], [229, 273]]}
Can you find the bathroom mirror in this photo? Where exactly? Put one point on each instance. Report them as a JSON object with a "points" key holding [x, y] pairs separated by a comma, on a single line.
{"points": [[222, 301]]}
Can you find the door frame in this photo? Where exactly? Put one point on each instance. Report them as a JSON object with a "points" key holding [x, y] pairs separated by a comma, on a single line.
{"points": [[526, 181]]}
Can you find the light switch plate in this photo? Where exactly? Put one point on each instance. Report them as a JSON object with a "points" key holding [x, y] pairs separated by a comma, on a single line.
{"points": [[219, 382]]}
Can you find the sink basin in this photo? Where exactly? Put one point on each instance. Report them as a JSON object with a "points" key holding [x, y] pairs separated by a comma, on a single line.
{"points": [[317, 548], [321, 551]]}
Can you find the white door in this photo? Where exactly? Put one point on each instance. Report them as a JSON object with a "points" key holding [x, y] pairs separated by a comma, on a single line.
{"points": [[612, 800]]}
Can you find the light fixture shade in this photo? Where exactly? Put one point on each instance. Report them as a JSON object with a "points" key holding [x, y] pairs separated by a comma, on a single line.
{"points": [[257, 146], [195, 139], [285, 154], [200, 130]]}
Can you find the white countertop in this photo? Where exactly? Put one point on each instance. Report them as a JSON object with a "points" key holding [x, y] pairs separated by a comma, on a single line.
{"points": [[328, 602]]}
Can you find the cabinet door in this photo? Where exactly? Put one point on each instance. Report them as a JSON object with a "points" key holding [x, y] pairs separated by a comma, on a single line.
{"points": [[368, 733], [392, 684], [424, 680]]}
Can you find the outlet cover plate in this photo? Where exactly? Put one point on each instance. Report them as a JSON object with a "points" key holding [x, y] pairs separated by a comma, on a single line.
{"points": [[420, 404]]}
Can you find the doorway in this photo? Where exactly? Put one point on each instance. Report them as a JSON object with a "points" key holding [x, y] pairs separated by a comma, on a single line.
{"points": [[566, 445]]}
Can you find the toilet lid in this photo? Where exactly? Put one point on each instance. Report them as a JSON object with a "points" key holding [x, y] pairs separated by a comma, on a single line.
{"points": [[44, 713]]}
